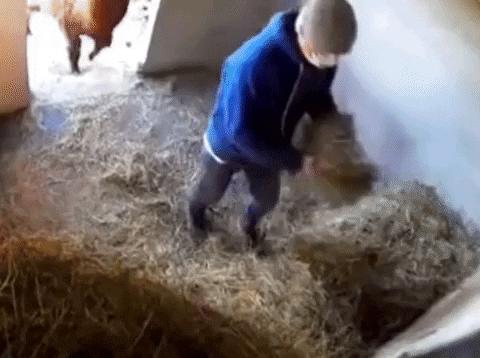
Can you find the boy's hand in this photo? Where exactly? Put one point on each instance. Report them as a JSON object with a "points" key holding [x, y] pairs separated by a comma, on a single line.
{"points": [[307, 169]]}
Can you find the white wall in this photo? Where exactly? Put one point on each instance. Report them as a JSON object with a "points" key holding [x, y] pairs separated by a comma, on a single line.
{"points": [[14, 92], [203, 32], [413, 81]]}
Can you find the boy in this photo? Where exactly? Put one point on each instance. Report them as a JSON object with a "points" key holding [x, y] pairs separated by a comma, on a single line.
{"points": [[266, 86]]}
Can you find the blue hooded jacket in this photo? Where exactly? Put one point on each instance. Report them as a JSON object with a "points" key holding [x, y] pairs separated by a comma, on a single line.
{"points": [[266, 86]]}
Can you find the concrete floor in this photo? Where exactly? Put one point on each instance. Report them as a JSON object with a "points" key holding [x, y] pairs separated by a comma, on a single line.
{"points": [[113, 69]]}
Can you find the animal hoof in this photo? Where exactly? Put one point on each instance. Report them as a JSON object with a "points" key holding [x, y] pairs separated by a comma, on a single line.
{"points": [[93, 54]]}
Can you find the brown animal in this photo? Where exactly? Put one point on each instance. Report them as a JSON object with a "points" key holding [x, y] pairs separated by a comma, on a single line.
{"points": [[94, 18]]}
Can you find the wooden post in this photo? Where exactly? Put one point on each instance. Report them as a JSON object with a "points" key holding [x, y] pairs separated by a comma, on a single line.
{"points": [[14, 93]]}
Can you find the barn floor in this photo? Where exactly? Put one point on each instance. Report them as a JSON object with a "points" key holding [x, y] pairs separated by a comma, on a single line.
{"points": [[81, 162], [109, 173], [64, 153], [107, 168]]}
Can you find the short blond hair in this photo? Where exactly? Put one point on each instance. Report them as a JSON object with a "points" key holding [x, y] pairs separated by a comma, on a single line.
{"points": [[329, 26]]}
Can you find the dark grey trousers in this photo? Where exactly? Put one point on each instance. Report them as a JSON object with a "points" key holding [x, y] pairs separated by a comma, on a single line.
{"points": [[264, 188]]}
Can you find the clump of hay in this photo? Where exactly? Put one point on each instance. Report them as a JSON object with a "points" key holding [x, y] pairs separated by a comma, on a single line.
{"points": [[385, 260], [342, 169], [56, 301]]}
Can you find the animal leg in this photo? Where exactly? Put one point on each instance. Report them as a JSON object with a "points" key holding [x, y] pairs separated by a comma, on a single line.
{"points": [[74, 53], [95, 51], [100, 44]]}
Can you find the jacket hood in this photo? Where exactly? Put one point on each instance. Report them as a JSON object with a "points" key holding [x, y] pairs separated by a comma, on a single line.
{"points": [[282, 30]]}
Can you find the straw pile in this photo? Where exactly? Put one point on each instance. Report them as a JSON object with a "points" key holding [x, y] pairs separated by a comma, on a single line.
{"points": [[336, 283], [348, 283], [56, 302], [385, 260]]}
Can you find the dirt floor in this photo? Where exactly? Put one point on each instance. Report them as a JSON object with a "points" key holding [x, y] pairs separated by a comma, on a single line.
{"points": [[108, 174]]}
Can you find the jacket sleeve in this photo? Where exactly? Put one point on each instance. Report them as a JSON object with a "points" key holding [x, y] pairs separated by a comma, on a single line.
{"points": [[267, 156], [258, 94]]}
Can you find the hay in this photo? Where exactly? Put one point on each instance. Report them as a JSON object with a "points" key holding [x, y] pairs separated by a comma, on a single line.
{"points": [[115, 181], [342, 169], [340, 291], [388, 258], [56, 302]]}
